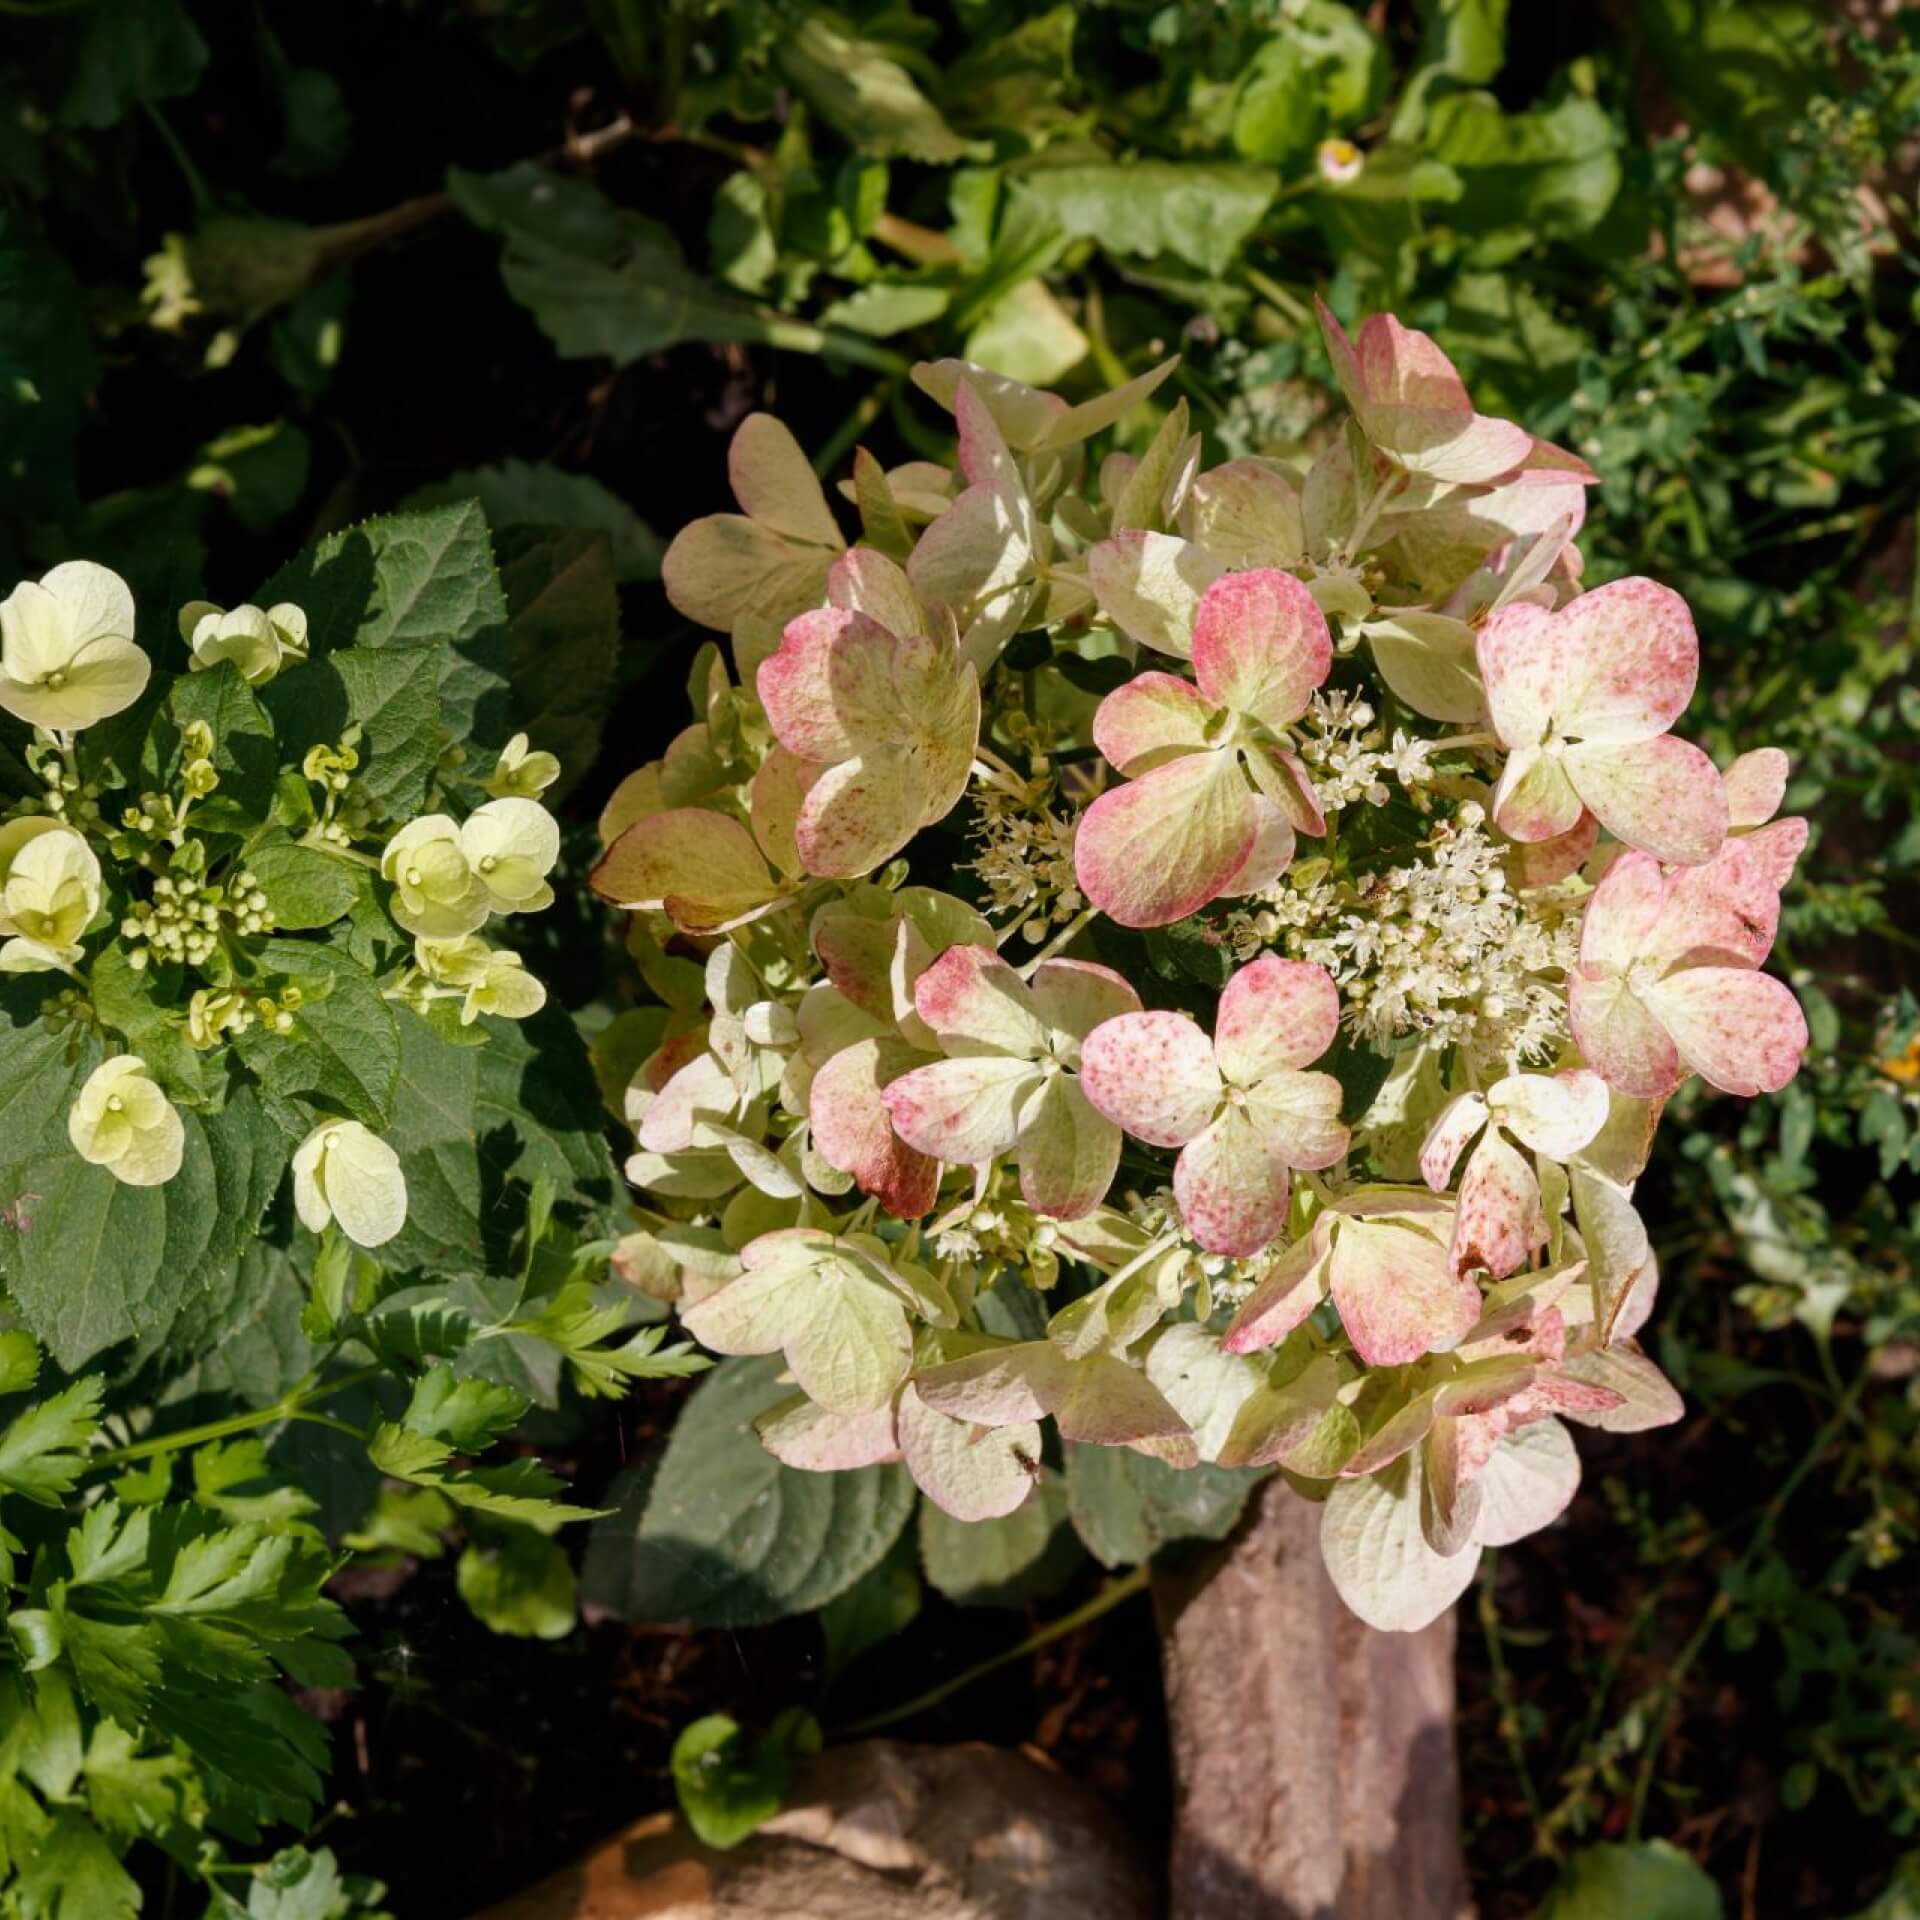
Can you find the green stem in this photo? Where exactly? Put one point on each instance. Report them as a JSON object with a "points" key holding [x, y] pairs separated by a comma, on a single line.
{"points": [[864, 412], [292, 1405], [1109, 1597], [1065, 937]]}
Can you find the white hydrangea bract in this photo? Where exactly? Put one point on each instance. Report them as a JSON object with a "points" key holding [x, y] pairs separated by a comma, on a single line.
{"points": [[345, 1173], [68, 657], [49, 894], [122, 1121]]}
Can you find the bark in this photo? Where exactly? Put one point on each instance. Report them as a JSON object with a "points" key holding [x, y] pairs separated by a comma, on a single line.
{"points": [[1314, 1761]]}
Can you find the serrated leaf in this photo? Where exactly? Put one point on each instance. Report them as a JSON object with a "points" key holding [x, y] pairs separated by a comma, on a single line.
{"points": [[344, 1050], [467, 1416], [407, 580], [146, 1251], [476, 1119], [521, 493], [727, 1536], [42, 1451]]}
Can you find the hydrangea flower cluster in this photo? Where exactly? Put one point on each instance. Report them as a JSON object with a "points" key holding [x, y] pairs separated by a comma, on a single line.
{"points": [[1192, 954], [148, 902]]}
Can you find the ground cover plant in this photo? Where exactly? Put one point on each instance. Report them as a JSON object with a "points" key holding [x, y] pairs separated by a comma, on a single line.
{"points": [[265, 296]]}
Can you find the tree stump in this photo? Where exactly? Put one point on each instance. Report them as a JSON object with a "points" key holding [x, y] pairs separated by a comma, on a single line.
{"points": [[1314, 1761]]}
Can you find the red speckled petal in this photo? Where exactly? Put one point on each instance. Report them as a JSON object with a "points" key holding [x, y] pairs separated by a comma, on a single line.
{"points": [[1261, 646], [1498, 1223], [1159, 848], [1154, 717], [1620, 1039], [1153, 1074], [1663, 796], [977, 1003], [1459, 1120], [964, 1111], [853, 1131], [1232, 1188], [1742, 1032], [1633, 658], [1397, 1293], [1274, 1014], [1756, 784]]}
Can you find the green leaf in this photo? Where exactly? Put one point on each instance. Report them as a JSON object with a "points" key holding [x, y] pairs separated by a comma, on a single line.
{"points": [[477, 1119], [391, 693], [405, 1521], [1464, 38], [1743, 70], [135, 52], [43, 1451], [260, 472], [1024, 1555], [238, 1337], [1126, 1506], [73, 1874], [133, 1002], [344, 1050], [728, 1783], [598, 280], [1557, 168], [19, 1361], [1652, 1881], [563, 639], [521, 493], [1200, 213], [146, 1251], [518, 1582], [466, 1416], [132, 1794], [857, 86], [724, 1535], [408, 580], [884, 1601], [306, 887]]}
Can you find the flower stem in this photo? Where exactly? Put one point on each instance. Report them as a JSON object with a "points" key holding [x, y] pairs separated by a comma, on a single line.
{"points": [[292, 1405], [1109, 1597], [1063, 938]]}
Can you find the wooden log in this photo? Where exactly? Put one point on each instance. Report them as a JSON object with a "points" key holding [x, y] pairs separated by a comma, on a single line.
{"points": [[1314, 1762]]}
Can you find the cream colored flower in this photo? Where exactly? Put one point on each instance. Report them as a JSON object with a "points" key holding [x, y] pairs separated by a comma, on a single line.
{"points": [[49, 893], [123, 1122], [67, 652], [512, 845], [343, 1172], [258, 641], [519, 774], [1339, 161], [495, 981], [437, 894]]}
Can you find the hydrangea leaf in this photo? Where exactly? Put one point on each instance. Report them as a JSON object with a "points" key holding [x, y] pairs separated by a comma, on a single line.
{"points": [[723, 1535]]}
